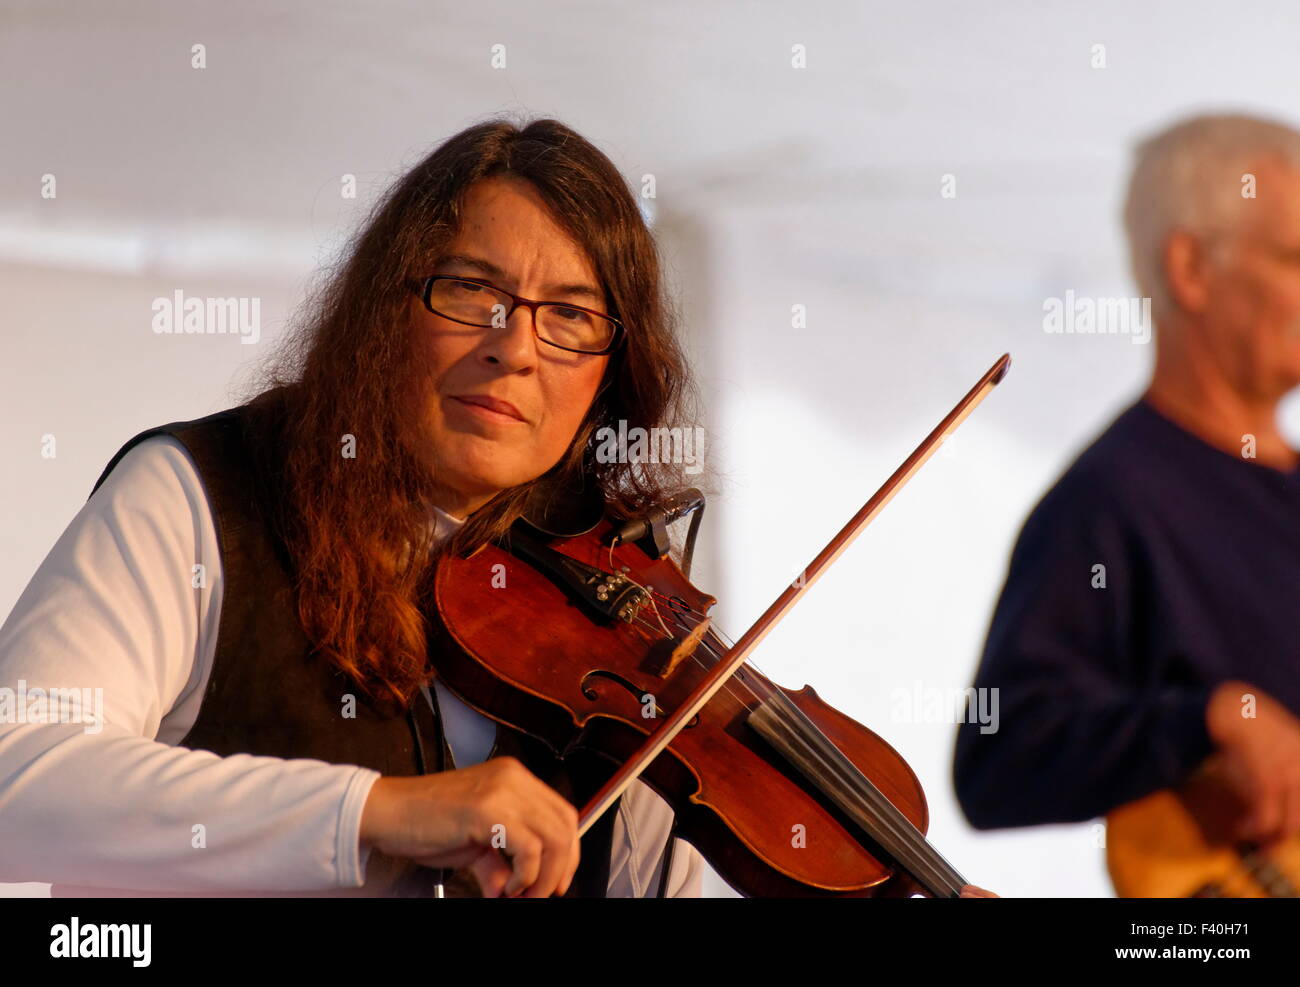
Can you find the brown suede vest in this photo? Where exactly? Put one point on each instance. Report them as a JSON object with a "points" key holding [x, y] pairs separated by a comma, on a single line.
{"points": [[270, 694]]}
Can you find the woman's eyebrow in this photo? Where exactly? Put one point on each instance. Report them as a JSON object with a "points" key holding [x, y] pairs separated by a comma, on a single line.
{"points": [[489, 269]]}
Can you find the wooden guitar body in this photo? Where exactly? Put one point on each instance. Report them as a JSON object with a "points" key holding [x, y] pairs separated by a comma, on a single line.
{"points": [[1174, 844]]}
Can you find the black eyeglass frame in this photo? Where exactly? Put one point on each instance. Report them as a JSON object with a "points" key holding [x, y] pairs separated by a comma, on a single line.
{"points": [[425, 291]]}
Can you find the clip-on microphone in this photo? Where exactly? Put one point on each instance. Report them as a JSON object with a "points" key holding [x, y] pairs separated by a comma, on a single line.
{"points": [[651, 528]]}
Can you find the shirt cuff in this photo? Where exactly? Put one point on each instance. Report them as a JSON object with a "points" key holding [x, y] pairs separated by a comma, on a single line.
{"points": [[351, 856]]}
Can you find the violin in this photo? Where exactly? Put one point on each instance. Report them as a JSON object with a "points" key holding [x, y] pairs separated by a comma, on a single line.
{"points": [[599, 643]]}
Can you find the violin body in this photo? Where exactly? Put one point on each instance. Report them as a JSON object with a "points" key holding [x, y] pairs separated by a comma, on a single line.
{"points": [[525, 649]]}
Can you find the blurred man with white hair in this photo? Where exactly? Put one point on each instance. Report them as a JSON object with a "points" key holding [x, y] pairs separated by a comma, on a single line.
{"points": [[1149, 616]]}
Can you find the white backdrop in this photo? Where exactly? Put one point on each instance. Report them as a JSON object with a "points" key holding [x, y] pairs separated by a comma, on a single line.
{"points": [[775, 185]]}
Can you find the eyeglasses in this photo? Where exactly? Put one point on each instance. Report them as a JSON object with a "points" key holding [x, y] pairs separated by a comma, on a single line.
{"points": [[472, 302]]}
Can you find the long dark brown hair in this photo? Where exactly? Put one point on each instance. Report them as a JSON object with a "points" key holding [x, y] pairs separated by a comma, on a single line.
{"points": [[357, 530]]}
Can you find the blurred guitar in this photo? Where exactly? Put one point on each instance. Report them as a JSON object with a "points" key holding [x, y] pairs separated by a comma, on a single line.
{"points": [[1175, 844]]}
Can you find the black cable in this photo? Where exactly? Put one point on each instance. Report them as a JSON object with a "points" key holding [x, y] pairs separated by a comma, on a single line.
{"points": [[668, 859], [442, 872], [689, 550]]}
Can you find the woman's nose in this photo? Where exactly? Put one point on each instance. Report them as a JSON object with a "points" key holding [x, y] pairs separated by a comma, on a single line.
{"points": [[515, 343]]}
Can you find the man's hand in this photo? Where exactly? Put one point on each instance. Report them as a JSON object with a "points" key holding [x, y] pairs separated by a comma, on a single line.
{"points": [[970, 891], [459, 818], [1260, 760]]}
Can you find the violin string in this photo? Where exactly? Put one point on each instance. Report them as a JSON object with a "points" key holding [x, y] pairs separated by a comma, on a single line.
{"points": [[652, 595], [726, 686], [903, 831], [758, 698], [659, 616], [820, 748], [672, 604], [737, 679], [833, 761]]}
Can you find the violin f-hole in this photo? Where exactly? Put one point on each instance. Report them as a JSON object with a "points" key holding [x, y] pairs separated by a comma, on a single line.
{"points": [[639, 694]]}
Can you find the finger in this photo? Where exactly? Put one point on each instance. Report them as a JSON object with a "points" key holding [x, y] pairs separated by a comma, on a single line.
{"points": [[560, 849], [492, 872], [575, 852], [544, 846], [553, 862], [556, 824], [525, 852], [1266, 819], [555, 806], [567, 861]]}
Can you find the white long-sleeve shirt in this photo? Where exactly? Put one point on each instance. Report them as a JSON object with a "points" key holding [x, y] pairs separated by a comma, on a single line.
{"points": [[117, 803]]}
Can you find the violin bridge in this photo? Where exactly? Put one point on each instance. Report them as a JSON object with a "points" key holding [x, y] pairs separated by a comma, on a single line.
{"points": [[680, 651]]}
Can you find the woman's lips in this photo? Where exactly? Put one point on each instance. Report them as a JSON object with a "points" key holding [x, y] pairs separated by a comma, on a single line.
{"points": [[493, 409]]}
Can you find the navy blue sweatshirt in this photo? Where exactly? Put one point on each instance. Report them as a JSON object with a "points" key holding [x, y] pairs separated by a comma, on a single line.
{"points": [[1104, 673]]}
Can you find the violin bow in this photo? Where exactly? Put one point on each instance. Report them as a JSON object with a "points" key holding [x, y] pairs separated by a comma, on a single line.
{"points": [[664, 733]]}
